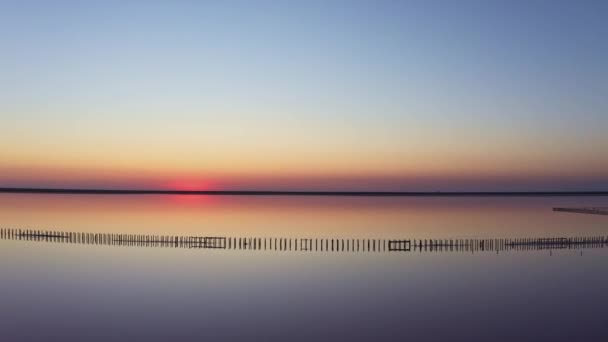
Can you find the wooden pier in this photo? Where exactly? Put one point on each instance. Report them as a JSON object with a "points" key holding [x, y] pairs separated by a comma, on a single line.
{"points": [[586, 210], [305, 245]]}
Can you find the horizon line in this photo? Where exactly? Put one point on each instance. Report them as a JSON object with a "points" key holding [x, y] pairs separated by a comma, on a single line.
{"points": [[86, 191]]}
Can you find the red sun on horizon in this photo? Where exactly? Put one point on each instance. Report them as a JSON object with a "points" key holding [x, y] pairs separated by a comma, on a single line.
{"points": [[189, 185]]}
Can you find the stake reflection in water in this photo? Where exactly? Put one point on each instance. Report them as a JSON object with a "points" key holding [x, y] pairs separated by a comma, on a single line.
{"points": [[307, 245]]}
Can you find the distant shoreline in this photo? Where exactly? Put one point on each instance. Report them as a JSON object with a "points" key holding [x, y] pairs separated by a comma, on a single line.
{"points": [[299, 193]]}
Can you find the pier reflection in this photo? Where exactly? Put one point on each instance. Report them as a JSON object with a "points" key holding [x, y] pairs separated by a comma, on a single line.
{"points": [[307, 244]]}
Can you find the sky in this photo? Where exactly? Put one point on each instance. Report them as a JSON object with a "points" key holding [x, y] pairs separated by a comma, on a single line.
{"points": [[305, 95]]}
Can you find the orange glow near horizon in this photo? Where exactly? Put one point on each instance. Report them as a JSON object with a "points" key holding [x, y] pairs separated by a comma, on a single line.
{"points": [[423, 180], [301, 164]]}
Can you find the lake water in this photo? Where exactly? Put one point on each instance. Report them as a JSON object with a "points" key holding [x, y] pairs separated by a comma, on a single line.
{"points": [[62, 290]]}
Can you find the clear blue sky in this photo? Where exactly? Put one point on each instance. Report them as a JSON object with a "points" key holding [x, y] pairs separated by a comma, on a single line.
{"points": [[419, 95]]}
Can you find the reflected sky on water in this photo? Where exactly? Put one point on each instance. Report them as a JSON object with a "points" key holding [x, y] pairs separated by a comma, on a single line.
{"points": [[76, 292]]}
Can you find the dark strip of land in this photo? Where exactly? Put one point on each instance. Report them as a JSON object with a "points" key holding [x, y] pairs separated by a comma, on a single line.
{"points": [[594, 211], [297, 193]]}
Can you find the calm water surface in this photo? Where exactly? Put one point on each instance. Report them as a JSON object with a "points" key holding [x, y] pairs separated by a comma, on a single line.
{"points": [[59, 291]]}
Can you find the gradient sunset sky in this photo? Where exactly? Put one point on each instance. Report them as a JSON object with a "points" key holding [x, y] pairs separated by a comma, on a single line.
{"points": [[306, 95]]}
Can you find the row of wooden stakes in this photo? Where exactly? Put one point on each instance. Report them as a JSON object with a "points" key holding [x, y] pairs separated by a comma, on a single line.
{"points": [[306, 244]]}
